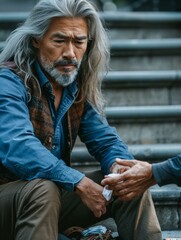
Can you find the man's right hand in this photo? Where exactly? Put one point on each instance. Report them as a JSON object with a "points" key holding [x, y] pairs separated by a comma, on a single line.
{"points": [[91, 195]]}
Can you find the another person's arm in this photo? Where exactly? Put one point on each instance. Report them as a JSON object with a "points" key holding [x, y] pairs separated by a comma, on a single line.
{"points": [[141, 175], [168, 171]]}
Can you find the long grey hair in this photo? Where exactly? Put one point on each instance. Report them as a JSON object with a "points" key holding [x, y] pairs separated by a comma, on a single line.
{"points": [[95, 62]]}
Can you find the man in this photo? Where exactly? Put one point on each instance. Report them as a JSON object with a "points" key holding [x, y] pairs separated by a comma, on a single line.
{"points": [[50, 75], [138, 176]]}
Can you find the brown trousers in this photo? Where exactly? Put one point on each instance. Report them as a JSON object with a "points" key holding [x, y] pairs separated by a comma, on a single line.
{"points": [[36, 210]]}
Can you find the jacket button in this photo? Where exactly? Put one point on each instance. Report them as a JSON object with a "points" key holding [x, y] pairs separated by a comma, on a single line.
{"points": [[49, 139]]}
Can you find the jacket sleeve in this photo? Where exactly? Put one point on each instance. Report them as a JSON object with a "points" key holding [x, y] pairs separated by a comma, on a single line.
{"points": [[168, 172], [102, 140]]}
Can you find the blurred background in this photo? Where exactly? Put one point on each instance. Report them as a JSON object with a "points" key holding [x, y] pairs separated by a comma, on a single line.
{"points": [[139, 5], [103, 5]]}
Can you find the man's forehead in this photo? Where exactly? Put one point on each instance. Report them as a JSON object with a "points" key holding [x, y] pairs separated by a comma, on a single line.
{"points": [[66, 35], [69, 22], [68, 25]]}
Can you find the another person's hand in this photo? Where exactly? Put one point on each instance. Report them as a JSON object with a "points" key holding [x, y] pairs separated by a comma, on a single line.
{"points": [[133, 182], [118, 168], [91, 195]]}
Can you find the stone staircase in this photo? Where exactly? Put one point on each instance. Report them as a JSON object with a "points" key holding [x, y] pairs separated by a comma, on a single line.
{"points": [[143, 94], [142, 91]]}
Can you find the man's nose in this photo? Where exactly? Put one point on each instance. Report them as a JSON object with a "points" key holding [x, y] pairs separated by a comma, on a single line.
{"points": [[68, 51]]}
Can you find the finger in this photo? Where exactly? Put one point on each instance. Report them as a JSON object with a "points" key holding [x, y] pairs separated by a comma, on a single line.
{"points": [[124, 162], [108, 181], [128, 197], [114, 180], [97, 214], [123, 169], [129, 192], [128, 186]]}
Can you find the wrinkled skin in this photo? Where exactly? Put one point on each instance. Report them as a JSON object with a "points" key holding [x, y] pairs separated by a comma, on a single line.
{"points": [[91, 195], [134, 179]]}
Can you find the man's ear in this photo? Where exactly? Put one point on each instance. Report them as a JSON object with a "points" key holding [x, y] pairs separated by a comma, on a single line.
{"points": [[35, 43]]}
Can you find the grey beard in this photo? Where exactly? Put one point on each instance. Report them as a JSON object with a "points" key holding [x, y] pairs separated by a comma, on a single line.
{"points": [[62, 79]]}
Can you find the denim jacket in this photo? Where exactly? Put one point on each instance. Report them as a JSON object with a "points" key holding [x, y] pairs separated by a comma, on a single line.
{"points": [[22, 154]]}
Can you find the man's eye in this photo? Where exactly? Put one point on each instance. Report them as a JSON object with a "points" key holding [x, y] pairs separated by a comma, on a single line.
{"points": [[80, 42]]}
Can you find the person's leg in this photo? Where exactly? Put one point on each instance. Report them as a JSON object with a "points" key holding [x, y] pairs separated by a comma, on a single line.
{"points": [[29, 210], [136, 219]]}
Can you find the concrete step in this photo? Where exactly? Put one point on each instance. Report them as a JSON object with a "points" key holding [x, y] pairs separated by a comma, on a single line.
{"points": [[142, 96], [141, 25], [143, 113], [145, 54], [151, 5], [141, 19], [145, 62], [136, 79], [167, 201], [144, 33], [146, 124], [83, 161], [128, 88], [150, 132], [16, 6], [145, 47]]}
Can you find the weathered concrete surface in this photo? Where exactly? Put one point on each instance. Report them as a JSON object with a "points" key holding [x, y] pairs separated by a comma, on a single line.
{"points": [[135, 63], [150, 132], [142, 96], [17, 5], [167, 200]]}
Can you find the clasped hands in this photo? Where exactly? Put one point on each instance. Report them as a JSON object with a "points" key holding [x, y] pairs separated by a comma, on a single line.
{"points": [[133, 178]]}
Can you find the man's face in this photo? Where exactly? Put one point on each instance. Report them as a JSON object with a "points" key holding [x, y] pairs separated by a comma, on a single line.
{"points": [[61, 49]]}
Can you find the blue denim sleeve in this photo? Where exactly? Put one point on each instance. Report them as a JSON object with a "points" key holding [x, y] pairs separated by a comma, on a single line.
{"points": [[102, 140], [168, 172], [21, 152]]}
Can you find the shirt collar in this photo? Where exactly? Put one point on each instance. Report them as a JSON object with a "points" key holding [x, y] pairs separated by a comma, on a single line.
{"points": [[43, 80], [41, 76]]}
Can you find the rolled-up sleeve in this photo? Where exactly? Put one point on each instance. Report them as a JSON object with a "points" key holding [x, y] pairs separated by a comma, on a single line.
{"points": [[102, 140], [21, 152]]}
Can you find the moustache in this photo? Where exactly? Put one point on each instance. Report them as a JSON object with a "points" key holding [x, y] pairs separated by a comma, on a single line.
{"points": [[65, 62]]}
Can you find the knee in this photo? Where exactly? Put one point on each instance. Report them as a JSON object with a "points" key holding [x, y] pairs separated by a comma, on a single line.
{"points": [[42, 190]]}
